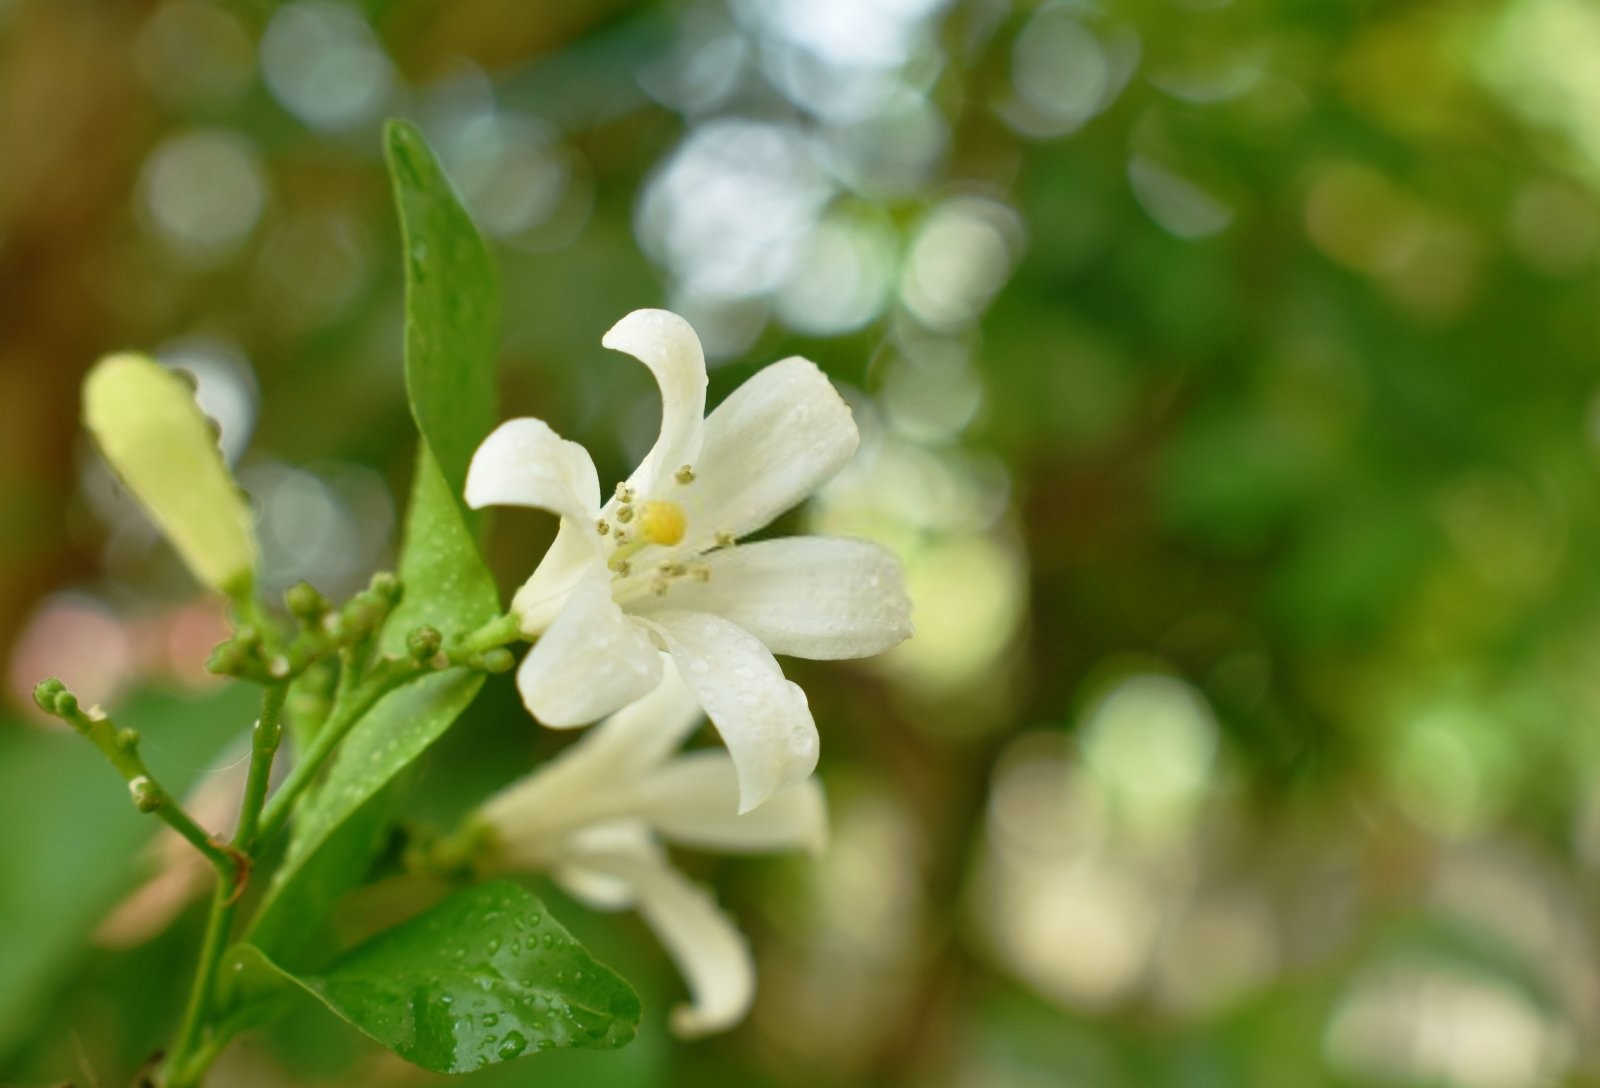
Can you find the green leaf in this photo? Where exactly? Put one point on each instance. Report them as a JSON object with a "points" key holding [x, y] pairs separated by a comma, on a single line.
{"points": [[451, 316], [485, 976], [452, 306]]}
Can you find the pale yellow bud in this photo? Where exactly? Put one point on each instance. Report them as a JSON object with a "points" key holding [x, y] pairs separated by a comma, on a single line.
{"points": [[147, 424]]}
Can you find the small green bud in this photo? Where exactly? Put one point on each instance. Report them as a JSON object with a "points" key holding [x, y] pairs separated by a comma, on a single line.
{"points": [[305, 603], [66, 703], [147, 424], [146, 797], [498, 659], [127, 739], [360, 617], [46, 692], [386, 587], [423, 643]]}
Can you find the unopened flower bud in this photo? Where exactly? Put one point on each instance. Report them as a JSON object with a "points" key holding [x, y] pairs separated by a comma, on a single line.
{"points": [[386, 587], [147, 424], [146, 797], [305, 603], [46, 692], [423, 643]]}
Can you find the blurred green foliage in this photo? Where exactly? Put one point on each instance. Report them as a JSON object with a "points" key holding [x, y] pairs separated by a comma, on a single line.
{"points": [[1246, 346]]}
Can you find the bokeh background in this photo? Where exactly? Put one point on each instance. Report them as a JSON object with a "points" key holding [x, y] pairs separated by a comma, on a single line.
{"points": [[1227, 372]]}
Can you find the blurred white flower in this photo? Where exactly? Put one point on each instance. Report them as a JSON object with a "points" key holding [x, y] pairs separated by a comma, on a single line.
{"points": [[591, 819], [655, 568]]}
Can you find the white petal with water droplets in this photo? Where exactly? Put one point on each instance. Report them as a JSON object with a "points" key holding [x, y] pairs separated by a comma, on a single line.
{"points": [[763, 718], [810, 596], [665, 343], [525, 463], [592, 661], [773, 442]]}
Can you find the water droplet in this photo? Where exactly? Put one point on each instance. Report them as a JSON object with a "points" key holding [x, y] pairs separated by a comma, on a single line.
{"points": [[549, 940], [512, 1045]]}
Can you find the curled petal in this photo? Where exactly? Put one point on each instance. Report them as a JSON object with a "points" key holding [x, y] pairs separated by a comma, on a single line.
{"points": [[774, 441], [524, 463], [665, 343], [540, 599], [592, 661], [693, 800], [614, 866], [809, 596], [763, 719]]}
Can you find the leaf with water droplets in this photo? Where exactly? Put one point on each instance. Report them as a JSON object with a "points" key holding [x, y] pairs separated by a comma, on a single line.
{"points": [[451, 328], [481, 978]]}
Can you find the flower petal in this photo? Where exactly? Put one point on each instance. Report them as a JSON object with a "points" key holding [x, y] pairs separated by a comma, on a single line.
{"points": [[693, 800], [809, 596], [605, 863], [775, 439], [524, 463], [540, 599], [763, 719], [707, 947], [645, 732], [592, 660], [665, 343]]}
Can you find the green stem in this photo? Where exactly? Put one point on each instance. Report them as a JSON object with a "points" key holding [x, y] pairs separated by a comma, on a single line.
{"points": [[121, 749], [264, 739], [497, 632], [190, 1057], [350, 708]]}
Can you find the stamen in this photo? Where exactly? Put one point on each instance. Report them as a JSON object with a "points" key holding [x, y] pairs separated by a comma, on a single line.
{"points": [[684, 475], [673, 570], [700, 572], [602, 526], [662, 522], [624, 493], [621, 566], [624, 513], [658, 586], [723, 538]]}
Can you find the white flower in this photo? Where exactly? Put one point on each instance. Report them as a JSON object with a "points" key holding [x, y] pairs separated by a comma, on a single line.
{"points": [[655, 566], [590, 818]]}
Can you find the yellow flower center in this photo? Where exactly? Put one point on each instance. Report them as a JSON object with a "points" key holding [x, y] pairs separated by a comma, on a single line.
{"points": [[662, 521]]}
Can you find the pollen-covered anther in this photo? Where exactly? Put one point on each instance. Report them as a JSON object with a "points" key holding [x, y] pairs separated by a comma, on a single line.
{"points": [[624, 493], [723, 539], [624, 513], [673, 569], [662, 522], [684, 475], [621, 567], [602, 526], [700, 572], [659, 585]]}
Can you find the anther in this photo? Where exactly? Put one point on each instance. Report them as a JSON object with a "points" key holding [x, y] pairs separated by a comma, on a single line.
{"points": [[658, 586], [723, 538], [622, 567], [602, 526], [625, 513], [624, 493], [700, 572], [684, 475], [673, 570]]}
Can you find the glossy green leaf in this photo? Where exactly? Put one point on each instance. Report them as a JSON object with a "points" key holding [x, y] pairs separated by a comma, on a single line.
{"points": [[483, 977], [451, 320], [452, 306], [339, 828]]}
